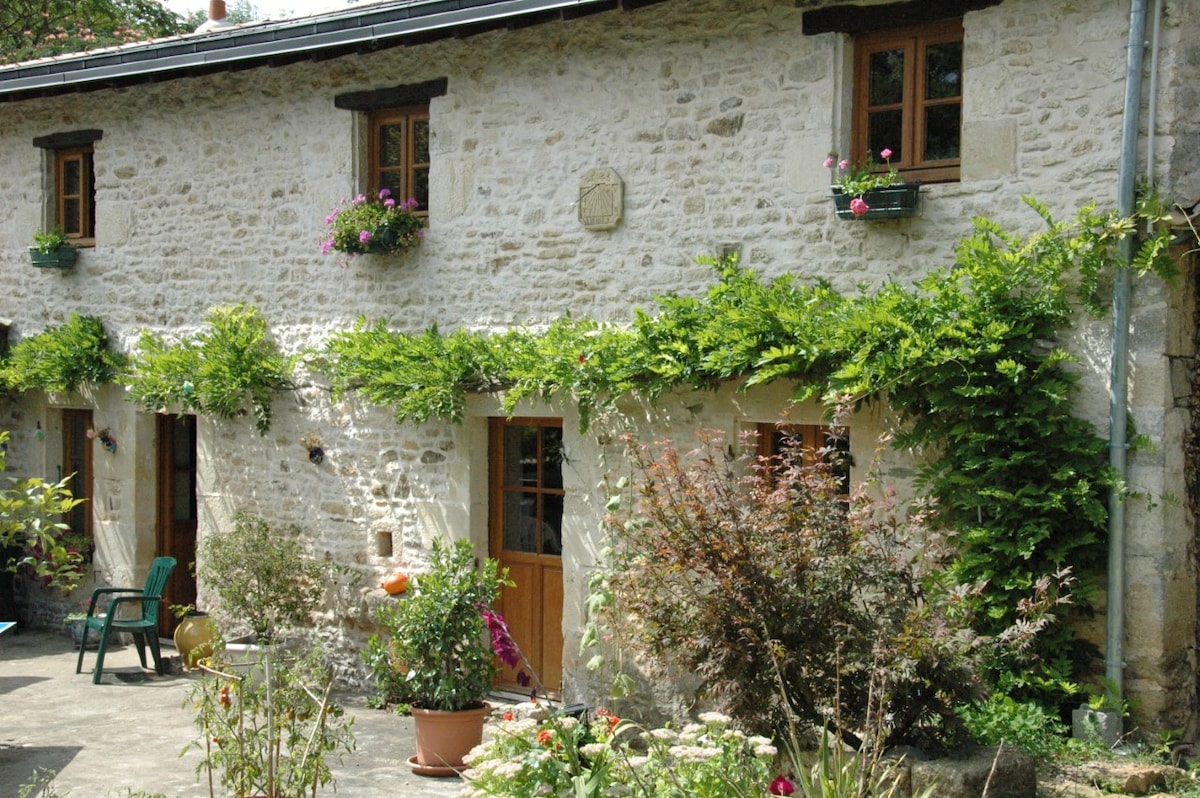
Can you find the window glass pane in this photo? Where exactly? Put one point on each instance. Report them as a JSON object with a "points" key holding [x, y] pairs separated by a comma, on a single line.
{"points": [[942, 132], [421, 141], [421, 188], [943, 70], [885, 130], [391, 145], [70, 220], [391, 181], [520, 522], [552, 512], [552, 454], [72, 177], [886, 77]]}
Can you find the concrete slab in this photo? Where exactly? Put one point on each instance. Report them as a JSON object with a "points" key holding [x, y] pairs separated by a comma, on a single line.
{"points": [[127, 733]]}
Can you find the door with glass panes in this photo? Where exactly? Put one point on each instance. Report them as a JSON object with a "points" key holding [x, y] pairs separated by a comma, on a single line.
{"points": [[526, 513]]}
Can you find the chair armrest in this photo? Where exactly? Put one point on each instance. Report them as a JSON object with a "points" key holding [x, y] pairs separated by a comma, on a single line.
{"points": [[100, 592], [117, 602]]}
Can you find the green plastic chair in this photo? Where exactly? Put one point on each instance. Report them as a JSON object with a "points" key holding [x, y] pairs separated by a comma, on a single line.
{"points": [[143, 627]]}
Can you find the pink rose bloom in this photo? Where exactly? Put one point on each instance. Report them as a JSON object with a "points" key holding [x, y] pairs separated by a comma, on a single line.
{"points": [[781, 786], [829, 162], [858, 207], [885, 154], [843, 164]]}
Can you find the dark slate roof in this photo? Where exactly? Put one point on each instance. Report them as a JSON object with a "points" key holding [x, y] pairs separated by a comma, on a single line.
{"points": [[320, 36]]}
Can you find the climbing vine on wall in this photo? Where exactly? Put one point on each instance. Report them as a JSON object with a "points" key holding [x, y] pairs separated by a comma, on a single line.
{"points": [[222, 369], [967, 356], [62, 358]]}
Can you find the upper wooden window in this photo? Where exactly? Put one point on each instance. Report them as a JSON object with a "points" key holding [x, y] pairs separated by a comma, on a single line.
{"points": [[908, 98], [399, 154], [75, 193]]}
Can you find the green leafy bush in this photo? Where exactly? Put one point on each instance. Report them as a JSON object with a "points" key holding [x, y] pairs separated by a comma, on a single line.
{"points": [[1001, 719], [434, 652]]}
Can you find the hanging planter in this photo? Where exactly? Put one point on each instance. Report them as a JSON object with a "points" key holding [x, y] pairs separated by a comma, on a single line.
{"points": [[61, 258], [892, 202]]}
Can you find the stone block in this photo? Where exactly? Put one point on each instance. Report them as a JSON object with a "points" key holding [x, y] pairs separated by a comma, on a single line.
{"points": [[1003, 771]]}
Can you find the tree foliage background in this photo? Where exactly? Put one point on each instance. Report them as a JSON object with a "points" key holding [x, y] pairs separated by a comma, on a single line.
{"points": [[37, 28]]}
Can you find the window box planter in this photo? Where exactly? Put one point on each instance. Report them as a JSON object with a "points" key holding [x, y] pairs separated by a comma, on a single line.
{"points": [[61, 258], [894, 202]]}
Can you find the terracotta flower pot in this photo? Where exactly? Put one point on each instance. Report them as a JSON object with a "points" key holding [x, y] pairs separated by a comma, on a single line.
{"points": [[444, 738]]}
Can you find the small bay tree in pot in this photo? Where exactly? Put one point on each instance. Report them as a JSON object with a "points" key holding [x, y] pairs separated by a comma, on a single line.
{"points": [[434, 653], [265, 581]]}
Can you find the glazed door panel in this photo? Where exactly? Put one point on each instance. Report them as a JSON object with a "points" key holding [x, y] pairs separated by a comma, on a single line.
{"points": [[526, 510]]}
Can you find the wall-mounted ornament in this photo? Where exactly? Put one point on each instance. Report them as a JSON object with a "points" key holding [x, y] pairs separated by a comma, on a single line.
{"points": [[106, 439], [601, 199], [312, 444]]}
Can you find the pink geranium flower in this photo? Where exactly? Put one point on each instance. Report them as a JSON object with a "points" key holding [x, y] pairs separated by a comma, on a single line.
{"points": [[858, 206]]}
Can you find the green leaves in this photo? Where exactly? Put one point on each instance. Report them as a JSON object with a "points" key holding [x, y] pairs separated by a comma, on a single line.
{"points": [[218, 371], [63, 358]]}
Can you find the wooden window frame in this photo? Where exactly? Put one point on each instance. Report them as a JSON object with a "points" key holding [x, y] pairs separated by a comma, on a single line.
{"points": [[814, 441], [85, 234], [409, 117], [913, 40]]}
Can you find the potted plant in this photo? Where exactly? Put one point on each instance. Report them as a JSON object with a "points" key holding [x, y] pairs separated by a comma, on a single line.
{"points": [[435, 653], [194, 634], [373, 225], [51, 250], [871, 191], [267, 732], [264, 581]]}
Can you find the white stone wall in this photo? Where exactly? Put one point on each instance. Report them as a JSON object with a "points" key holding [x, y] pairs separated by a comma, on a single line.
{"points": [[717, 115]]}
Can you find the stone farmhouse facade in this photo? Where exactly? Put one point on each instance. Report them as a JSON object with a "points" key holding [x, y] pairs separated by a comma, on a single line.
{"points": [[209, 162]]}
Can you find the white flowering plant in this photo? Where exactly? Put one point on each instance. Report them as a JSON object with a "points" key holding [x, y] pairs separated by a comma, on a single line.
{"points": [[380, 224], [605, 755]]}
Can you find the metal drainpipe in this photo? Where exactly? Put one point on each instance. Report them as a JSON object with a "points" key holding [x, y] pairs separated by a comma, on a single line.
{"points": [[1119, 374]]}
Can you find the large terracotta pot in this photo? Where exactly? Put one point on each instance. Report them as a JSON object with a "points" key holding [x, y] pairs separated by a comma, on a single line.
{"points": [[193, 638], [444, 738]]}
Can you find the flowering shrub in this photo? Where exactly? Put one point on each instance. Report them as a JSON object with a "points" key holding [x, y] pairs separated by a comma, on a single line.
{"points": [[375, 225], [854, 181], [608, 756]]}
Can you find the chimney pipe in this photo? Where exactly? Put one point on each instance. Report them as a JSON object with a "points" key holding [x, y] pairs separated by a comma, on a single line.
{"points": [[216, 18]]}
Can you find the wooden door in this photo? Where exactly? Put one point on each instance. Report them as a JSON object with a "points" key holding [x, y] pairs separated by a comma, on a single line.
{"points": [[77, 465], [177, 510], [526, 513]]}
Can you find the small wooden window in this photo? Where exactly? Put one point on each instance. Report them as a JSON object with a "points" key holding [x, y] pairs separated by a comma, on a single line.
{"points": [[75, 192], [829, 445], [399, 154], [908, 98]]}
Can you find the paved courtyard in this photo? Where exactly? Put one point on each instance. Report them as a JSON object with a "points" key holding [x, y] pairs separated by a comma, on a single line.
{"points": [[126, 734]]}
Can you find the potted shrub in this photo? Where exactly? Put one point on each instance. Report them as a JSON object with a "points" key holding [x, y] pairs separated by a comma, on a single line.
{"points": [[51, 250], [264, 580], [435, 653], [867, 191]]}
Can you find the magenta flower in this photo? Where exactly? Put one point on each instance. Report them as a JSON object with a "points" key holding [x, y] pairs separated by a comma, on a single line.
{"points": [[364, 236], [781, 786], [858, 207], [389, 203], [829, 162], [843, 164], [359, 200], [885, 153], [384, 193]]}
